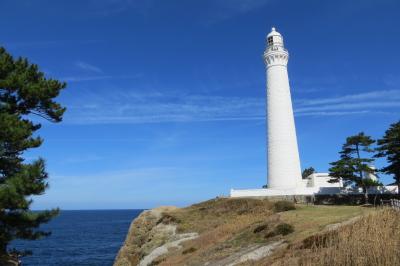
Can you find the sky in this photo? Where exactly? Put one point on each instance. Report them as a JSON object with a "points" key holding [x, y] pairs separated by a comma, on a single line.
{"points": [[166, 99]]}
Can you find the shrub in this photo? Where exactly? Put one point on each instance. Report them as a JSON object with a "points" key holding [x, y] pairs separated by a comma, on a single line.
{"points": [[168, 219], [284, 229], [283, 205], [280, 229], [260, 228], [189, 250]]}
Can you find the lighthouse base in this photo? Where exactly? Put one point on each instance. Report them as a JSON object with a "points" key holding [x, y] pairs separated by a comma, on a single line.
{"points": [[315, 184], [235, 193]]}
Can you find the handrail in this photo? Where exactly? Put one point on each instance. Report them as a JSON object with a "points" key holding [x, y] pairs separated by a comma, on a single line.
{"points": [[395, 203]]}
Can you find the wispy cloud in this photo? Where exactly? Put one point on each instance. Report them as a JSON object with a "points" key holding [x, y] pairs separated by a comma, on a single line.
{"points": [[88, 67], [130, 107], [351, 98], [99, 77], [154, 107], [333, 113], [361, 103], [78, 78], [350, 106], [48, 43]]}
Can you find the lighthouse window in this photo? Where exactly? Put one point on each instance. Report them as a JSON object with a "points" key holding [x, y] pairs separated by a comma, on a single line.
{"points": [[270, 40]]}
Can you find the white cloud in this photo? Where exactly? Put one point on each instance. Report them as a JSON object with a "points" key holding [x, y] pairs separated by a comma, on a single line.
{"points": [[130, 107], [88, 67], [126, 107], [49, 43], [99, 77], [367, 102], [333, 113], [351, 106], [78, 79], [367, 96]]}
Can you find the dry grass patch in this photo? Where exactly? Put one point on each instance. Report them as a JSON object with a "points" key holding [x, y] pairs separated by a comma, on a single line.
{"points": [[216, 212], [225, 225], [373, 240]]}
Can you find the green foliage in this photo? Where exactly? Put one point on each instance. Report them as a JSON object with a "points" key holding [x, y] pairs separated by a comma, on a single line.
{"points": [[281, 229], [283, 206], [24, 91], [389, 147], [308, 171], [284, 229], [260, 228], [351, 165]]}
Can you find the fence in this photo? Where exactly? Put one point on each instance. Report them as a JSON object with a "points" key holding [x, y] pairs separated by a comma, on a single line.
{"points": [[395, 203]]}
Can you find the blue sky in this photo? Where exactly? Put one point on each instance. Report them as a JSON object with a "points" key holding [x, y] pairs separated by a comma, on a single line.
{"points": [[166, 99]]}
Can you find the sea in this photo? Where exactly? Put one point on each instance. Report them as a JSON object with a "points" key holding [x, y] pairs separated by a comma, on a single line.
{"points": [[90, 237]]}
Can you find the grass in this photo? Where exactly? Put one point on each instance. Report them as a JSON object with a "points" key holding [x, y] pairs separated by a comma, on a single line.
{"points": [[216, 212], [283, 205], [313, 218], [227, 226], [372, 240]]}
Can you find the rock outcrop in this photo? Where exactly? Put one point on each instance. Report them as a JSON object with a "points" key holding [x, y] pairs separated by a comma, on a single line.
{"points": [[150, 237]]}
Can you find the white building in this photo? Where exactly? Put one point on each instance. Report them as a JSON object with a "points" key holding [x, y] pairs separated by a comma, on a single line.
{"points": [[284, 172], [314, 184]]}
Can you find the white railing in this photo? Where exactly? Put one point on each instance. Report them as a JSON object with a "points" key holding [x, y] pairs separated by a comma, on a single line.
{"points": [[395, 203]]}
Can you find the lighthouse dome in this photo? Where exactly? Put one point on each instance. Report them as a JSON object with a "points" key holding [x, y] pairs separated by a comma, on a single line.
{"points": [[274, 33], [274, 38]]}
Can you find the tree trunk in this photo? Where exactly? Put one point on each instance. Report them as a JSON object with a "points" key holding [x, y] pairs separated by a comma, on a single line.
{"points": [[359, 164], [366, 196], [398, 187], [365, 190]]}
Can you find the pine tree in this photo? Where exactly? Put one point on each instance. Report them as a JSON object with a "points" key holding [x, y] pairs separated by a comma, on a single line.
{"points": [[24, 93], [389, 147], [352, 166], [307, 172]]}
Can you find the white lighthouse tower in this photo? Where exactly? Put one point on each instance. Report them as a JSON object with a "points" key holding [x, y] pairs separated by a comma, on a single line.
{"points": [[284, 172]]}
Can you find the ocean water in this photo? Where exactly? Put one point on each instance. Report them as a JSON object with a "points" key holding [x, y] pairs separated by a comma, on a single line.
{"points": [[80, 238]]}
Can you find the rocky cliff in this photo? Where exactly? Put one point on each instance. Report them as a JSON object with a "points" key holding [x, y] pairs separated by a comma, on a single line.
{"points": [[226, 232]]}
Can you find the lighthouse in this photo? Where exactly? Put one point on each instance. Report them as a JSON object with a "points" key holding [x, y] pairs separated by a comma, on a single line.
{"points": [[283, 162], [284, 170]]}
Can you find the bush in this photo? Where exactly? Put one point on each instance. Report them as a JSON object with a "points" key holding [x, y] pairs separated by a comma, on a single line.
{"points": [[168, 219], [189, 250], [260, 228], [280, 229], [284, 229], [283, 205]]}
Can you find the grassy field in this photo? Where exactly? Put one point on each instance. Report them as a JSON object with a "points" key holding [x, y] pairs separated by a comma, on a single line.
{"points": [[312, 219], [372, 240], [230, 226]]}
